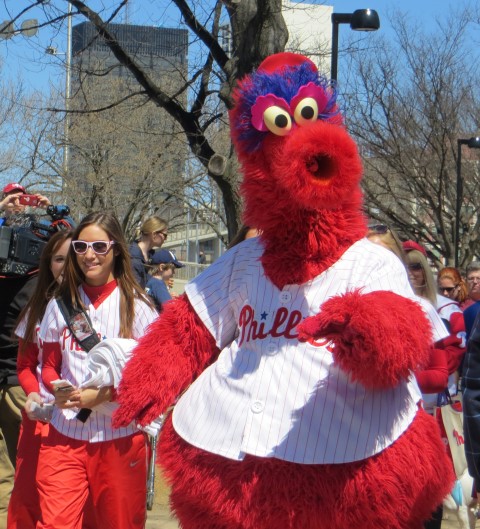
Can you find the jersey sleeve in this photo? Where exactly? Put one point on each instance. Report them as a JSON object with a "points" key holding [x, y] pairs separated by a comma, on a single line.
{"points": [[384, 271], [52, 324], [210, 295]]}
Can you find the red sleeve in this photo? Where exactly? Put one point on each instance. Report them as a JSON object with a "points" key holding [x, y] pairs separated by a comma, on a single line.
{"points": [[52, 363], [27, 361], [434, 377], [454, 347]]}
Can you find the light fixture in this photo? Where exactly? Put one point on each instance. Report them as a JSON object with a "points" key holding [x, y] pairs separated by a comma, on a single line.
{"points": [[359, 20]]}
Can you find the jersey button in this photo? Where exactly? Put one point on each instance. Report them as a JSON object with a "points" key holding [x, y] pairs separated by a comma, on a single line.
{"points": [[257, 406], [285, 297], [271, 349]]}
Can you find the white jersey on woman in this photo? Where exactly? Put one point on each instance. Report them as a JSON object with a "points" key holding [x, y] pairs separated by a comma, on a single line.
{"points": [[270, 395], [20, 332], [106, 321]]}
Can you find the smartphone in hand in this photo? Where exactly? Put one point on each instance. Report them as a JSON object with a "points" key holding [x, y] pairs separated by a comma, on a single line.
{"points": [[62, 385], [28, 200]]}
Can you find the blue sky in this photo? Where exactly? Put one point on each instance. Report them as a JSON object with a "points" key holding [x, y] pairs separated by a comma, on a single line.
{"points": [[25, 59]]}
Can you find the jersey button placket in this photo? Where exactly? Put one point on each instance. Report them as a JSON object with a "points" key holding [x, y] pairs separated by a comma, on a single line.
{"points": [[257, 406], [285, 297], [271, 349]]}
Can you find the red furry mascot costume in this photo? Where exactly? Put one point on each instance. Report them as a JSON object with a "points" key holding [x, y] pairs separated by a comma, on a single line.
{"points": [[293, 352]]}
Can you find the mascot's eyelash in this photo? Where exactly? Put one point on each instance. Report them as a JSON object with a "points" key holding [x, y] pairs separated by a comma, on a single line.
{"points": [[285, 95], [316, 97]]}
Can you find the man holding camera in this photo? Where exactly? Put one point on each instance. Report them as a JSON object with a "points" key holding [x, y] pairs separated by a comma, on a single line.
{"points": [[16, 291], [15, 200]]}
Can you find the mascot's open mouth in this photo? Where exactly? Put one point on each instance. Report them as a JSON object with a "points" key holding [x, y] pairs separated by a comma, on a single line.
{"points": [[321, 167]]}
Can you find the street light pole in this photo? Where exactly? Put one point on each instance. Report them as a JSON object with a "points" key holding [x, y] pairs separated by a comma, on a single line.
{"points": [[68, 78], [359, 20], [472, 143]]}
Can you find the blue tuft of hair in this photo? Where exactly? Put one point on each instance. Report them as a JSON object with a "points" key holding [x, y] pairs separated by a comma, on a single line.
{"points": [[284, 84]]}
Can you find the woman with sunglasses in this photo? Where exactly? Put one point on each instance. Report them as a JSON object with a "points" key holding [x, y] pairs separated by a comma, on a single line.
{"points": [[423, 283], [81, 458], [433, 377], [452, 285], [153, 233]]}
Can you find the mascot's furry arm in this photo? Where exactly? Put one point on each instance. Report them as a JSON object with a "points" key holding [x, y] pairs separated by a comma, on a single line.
{"points": [[373, 334], [168, 358]]}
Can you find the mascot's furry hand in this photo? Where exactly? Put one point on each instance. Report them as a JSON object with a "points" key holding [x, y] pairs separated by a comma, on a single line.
{"points": [[373, 335]]}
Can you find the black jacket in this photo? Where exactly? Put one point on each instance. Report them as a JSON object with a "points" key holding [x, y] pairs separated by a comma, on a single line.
{"points": [[14, 295], [138, 264], [471, 402]]}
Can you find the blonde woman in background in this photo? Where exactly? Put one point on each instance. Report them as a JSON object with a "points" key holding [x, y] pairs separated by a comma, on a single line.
{"points": [[433, 378], [424, 285], [153, 233]]}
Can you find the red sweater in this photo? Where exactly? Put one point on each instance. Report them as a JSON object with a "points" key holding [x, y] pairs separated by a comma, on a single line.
{"points": [[27, 362]]}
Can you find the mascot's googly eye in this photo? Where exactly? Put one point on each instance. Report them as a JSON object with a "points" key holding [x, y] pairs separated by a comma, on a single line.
{"points": [[277, 120], [306, 111], [271, 113]]}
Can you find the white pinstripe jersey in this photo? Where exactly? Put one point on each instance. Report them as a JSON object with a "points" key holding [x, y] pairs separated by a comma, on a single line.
{"points": [[20, 332], [106, 321], [270, 395]]}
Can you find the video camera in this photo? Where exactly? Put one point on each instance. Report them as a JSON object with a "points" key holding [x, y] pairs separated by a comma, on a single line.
{"points": [[24, 238]]}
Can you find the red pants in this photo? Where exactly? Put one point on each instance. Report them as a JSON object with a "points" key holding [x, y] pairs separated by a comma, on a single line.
{"points": [[24, 505], [113, 472], [24, 508]]}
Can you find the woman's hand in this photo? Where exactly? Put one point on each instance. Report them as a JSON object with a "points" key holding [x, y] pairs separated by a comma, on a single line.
{"points": [[91, 397], [67, 398], [32, 397]]}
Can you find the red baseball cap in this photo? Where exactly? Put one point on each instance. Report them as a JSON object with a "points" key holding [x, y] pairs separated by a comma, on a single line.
{"points": [[412, 245], [13, 187]]}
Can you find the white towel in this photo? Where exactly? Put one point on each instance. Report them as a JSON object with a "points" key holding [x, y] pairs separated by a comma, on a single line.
{"points": [[105, 363]]}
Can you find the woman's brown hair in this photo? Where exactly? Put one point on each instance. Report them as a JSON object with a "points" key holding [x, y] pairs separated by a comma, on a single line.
{"points": [[122, 271], [44, 288]]}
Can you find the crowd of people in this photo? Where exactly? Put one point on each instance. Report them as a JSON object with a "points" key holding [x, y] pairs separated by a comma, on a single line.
{"points": [[455, 298], [62, 464]]}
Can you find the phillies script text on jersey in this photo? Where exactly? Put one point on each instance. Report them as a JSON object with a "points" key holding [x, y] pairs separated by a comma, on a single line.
{"points": [[284, 324]]}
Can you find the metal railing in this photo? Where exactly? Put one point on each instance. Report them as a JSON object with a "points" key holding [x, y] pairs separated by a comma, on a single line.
{"points": [[189, 271]]}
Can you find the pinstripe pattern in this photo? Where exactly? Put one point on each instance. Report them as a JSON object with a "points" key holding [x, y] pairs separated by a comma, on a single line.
{"points": [[20, 332], [268, 394], [106, 322]]}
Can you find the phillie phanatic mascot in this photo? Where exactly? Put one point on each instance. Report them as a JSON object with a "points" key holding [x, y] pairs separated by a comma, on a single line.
{"points": [[290, 358]]}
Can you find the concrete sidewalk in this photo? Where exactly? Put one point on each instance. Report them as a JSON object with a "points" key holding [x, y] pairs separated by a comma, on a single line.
{"points": [[159, 517]]}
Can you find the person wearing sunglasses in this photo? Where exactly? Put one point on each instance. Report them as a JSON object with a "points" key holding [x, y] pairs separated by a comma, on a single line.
{"points": [[453, 346], [80, 458], [451, 284], [153, 233], [423, 283]]}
